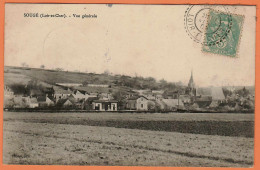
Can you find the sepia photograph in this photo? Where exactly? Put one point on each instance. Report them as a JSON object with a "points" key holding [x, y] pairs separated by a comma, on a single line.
{"points": [[129, 85]]}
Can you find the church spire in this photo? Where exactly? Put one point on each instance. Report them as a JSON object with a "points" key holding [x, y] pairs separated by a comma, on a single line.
{"points": [[191, 82], [191, 86]]}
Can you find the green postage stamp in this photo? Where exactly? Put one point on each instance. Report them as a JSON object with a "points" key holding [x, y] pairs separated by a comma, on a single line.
{"points": [[223, 33]]}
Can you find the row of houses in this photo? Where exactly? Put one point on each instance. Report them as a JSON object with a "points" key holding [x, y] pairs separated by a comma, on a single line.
{"points": [[79, 99], [60, 98], [71, 96], [143, 103]]}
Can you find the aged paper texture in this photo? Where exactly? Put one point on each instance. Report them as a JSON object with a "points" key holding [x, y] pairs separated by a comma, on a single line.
{"points": [[129, 85]]}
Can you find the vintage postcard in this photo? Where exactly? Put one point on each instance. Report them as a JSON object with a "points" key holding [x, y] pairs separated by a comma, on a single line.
{"points": [[129, 85]]}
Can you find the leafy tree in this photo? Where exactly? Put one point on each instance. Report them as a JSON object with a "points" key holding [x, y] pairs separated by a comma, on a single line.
{"points": [[243, 92], [119, 95], [19, 89], [226, 92]]}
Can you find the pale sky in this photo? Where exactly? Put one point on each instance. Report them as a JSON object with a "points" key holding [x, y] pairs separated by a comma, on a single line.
{"points": [[147, 40]]}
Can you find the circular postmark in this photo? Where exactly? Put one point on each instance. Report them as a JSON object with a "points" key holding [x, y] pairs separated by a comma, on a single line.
{"points": [[207, 24]]}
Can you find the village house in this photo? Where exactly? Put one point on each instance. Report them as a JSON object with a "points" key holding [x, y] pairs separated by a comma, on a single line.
{"points": [[32, 102], [158, 96], [137, 103], [80, 94], [61, 94], [65, 103], [80, 104], [186, 99], [203, 101], [149, 96], [170, 95], [105, 96], [104, 105], [211, 96], [217, 94], [45, 101], [173, 104], [49, 91]]}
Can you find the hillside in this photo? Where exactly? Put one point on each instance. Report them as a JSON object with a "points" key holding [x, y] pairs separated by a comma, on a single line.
{"points": [[22, 75], [48, 78]]}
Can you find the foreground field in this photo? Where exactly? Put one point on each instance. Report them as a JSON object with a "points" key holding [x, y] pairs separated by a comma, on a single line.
{"points": [[31, 138], [210, 124]]}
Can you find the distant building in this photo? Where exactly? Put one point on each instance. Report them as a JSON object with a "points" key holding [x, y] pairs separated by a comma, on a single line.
{"points": [[99, 85], [49, 91], [137, 103], [33, 103], [142, 92], [210, 96], [65, 103], [79, 94], [69, 84], [186, 99], [105, 105], [105, 96], [203, 101], [215, 92], [173, 104], [80, 104], [171, 94], [158, 96], [45, 101], [150, 96], [61, 94], [158, 92]]}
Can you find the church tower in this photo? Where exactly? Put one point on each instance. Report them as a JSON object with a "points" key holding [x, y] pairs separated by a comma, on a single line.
{"points": [[191, 86]]}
